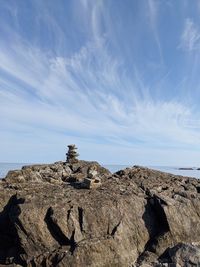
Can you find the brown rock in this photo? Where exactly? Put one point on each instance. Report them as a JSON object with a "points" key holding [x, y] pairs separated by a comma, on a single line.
{"points": [[133, 219], [91, 183]]}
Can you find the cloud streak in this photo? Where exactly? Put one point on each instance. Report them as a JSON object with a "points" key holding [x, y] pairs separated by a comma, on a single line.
{"points": [[153, 16]]}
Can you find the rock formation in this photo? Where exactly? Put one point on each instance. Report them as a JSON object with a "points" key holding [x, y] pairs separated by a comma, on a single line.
{"points": [[137, 217], [72, 154]]}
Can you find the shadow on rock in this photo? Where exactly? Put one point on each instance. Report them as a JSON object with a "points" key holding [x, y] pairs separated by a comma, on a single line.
{"points": [[10, 247], [156, 223], [57, 233]]}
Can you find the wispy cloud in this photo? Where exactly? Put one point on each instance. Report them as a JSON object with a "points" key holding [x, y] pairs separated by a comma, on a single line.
{"points": [[87, 96], [190, 39], [153, 17], [75, 89]]}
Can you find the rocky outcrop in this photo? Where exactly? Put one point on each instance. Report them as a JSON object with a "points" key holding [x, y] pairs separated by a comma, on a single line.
{"points": [[136, 217], [55, 173]]}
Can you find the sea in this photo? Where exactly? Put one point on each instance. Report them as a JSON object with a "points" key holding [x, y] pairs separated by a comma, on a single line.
{"points": [[5, 167]]}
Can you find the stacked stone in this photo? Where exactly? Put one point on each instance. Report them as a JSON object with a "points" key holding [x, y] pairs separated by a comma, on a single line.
{"points": [[72, 154], [92, 180]]}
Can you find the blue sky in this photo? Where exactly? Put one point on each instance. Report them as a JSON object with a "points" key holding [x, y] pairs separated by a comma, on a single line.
{"points": [[118, 78]]}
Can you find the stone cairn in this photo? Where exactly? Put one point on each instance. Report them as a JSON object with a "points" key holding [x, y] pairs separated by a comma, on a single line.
{"points": [[92, 180], [72, 154]]}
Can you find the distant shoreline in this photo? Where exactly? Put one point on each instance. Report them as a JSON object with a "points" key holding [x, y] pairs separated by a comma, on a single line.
{"points": [[189, 169]]}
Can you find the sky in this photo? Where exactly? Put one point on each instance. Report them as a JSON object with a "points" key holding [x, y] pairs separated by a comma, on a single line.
{"points": [[118, 78]]}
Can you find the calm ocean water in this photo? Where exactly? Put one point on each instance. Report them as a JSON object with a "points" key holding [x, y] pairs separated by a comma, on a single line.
{"points": [[5, 167]]}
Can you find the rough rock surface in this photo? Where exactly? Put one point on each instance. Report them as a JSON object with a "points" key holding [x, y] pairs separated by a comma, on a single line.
{"points": [[137, 217]]}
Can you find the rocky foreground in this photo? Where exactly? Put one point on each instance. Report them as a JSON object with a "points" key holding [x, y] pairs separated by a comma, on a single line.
{"points": [[136, 217]]}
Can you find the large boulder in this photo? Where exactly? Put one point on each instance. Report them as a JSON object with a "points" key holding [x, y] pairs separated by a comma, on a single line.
{"points": [[137, 217]]}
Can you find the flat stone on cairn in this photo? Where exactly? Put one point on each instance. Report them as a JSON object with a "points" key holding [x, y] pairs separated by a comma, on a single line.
{"points": [[72, 154]]}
